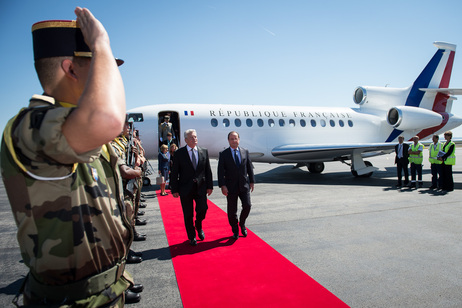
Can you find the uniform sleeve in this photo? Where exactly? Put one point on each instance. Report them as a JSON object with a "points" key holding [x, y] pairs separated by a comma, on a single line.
{"points": [[39, 137]]}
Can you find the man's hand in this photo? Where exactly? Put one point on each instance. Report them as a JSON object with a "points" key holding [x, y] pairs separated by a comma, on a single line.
{"points": [[252, 186], [93, 31], [224, 190], [176, 195], [209, 192]]}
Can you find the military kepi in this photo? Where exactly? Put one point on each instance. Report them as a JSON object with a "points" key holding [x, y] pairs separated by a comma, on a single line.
{"points": [[59, 38]]}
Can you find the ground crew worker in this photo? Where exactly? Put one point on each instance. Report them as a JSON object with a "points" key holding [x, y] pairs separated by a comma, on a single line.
{"points": [[64, 188], [416, 159], [449, 160], [436, 168]]}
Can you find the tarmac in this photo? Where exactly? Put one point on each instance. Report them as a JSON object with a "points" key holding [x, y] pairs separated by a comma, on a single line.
{"points": [[370, 244]]}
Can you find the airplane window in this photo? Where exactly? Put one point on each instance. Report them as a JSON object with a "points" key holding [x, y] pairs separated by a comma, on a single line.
{"points": [[237, 122], [271, 122], [291, 123], [340, 122], [302, 123], [323, 123], [332, 123], [260, 122], [282, 122], [249, 122], [225, 122], [350, 123], [313, 123], [214, 122]]}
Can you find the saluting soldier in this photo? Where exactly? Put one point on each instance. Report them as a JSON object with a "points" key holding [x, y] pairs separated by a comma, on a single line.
{"points": [[64, 187]]}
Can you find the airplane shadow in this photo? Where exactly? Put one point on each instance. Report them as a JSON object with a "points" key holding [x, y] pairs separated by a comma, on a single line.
{"points": [[286, 174]]}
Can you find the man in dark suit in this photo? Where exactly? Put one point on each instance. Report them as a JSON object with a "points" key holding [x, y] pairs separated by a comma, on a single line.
{"points": [[402, 161], [191, 179], [236, 179]]}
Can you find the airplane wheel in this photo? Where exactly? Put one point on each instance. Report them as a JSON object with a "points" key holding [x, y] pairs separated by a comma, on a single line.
{"points": [[316, 167], [355, 174], [146, 181]]}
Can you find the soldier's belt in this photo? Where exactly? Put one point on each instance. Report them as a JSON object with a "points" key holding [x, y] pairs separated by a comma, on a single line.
{"points": [[80, 289]]}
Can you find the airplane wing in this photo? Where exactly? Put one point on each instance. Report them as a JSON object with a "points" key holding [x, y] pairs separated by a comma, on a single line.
{"points": [[328, 152]]}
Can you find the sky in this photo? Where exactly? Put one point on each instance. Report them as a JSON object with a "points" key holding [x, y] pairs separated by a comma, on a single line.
{"points": [[262, 52]]}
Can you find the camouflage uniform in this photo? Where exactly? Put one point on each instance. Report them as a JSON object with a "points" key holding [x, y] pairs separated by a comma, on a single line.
{"points": [[119, 145], [73, 233]]}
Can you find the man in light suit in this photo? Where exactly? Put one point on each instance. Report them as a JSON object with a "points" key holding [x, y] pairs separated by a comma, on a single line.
{"points": [[236, 179], [191, 179], [402, 161]]}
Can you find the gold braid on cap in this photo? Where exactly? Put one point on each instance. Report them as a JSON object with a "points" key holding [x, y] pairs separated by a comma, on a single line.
{"points": [[55, 24]]}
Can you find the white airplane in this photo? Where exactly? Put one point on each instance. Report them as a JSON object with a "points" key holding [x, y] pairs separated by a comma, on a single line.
{"points": [[310, 136]]}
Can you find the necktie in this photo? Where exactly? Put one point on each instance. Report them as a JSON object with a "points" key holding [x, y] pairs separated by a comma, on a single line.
{"points": [[400, 151], [236, 158], [193, 158]]}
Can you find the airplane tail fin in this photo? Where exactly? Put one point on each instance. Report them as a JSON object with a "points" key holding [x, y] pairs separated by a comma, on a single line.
{"points": [[430, 89], [431, 94]]}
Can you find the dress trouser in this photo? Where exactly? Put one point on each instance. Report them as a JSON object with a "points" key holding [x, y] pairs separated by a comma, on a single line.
{"points": [[187, 203], [448, 181], [401, 166], [232, 209]]}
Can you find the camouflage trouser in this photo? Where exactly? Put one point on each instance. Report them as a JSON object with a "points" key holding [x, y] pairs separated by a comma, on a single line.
{"points": [[111, 297]]}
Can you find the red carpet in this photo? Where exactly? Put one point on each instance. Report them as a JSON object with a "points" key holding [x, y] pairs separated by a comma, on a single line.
{"points": [[223, 272]]}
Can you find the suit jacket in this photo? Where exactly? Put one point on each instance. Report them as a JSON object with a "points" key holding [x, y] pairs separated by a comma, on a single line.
{"points": [[405, 152], [183, 177], [234, 178]]}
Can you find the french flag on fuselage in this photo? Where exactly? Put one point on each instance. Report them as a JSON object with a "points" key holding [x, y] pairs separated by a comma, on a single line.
{"points": [[190, 113]]}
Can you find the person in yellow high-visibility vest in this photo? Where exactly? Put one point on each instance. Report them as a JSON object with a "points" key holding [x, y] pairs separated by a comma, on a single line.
{"points": [[448, 159], [436, 169], [416, 159]]}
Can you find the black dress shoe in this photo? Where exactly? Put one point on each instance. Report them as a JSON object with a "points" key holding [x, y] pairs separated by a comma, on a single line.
{"points": [[137, 288], [201, 234], [142, 205], [244, 231], [139, 237], [236, 235], [140, 213], [140, 222], [142, 200], [133, 259], [193, 242], [135, 253], [131, 297]]}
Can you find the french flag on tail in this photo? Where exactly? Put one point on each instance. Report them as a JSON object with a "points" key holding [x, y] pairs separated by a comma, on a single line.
{"points": [[188, 113]]}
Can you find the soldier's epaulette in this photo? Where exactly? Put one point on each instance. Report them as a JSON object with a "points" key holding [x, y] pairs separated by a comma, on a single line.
{"points": [[9, 142]]}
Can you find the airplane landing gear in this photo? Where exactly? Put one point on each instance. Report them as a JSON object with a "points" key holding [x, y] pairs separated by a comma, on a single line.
{"points": [[316, 167], [366, 175]]}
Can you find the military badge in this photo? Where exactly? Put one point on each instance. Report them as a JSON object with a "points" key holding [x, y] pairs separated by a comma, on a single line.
{"points": [[94, 174]]}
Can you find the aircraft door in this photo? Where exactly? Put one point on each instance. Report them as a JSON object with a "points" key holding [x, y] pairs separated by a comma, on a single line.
{"points": [[169, 122]]}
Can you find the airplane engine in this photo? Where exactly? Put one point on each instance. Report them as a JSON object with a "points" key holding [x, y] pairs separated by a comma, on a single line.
{"points": [[378, 97], [405, 118]]}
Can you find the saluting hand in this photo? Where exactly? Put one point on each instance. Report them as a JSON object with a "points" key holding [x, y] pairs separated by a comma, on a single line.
{"points": [[93, 31]]}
